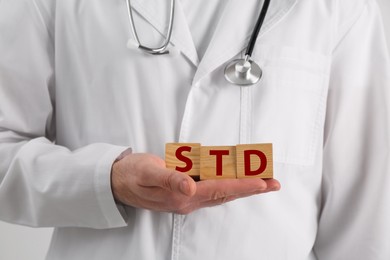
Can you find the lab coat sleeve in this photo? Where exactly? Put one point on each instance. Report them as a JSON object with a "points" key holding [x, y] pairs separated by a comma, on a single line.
{"points": [[43, 184], [354, 221]]}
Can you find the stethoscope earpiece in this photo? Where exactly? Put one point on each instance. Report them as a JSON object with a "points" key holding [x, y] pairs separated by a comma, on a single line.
{"points": [[243, 72]]}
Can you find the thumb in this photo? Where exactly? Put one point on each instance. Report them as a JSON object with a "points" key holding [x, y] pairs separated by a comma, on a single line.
{"points": [[178, 182]]}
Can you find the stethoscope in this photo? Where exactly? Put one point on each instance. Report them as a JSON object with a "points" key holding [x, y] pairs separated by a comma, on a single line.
{"points": [[241, 72]]}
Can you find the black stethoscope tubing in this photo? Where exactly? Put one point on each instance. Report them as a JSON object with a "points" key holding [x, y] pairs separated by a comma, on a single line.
{"points": [[256, 30]]}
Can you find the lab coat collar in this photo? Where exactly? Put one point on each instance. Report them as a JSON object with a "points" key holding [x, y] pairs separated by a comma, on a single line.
{"points": [[231, 35], [235, 28]]}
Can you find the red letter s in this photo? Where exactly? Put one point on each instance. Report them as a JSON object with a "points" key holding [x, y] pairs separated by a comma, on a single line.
{"points": [[184, 159]]}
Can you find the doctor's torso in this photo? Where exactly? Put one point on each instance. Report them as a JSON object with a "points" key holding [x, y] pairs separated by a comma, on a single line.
{"points": [[108, 93]]}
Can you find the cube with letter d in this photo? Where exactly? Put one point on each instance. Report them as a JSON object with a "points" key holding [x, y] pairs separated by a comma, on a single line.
{"points": [[254, 161]]}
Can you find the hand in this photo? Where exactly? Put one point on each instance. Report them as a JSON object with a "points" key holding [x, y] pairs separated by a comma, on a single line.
{"points": [[143, 181]]}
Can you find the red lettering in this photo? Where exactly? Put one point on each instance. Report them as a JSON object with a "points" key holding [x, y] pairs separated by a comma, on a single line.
{"points": [[247, 162], [186, 160], [219, 164]]}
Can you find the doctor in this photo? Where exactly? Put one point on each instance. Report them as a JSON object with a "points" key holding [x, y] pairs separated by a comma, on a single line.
{"points": [[84, 121]]}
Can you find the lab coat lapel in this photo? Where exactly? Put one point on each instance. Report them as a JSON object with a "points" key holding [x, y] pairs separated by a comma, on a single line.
{"points": [[157, 14], [235, 28]]}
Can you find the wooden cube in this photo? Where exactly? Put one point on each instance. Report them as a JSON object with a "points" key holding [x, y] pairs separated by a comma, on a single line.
{"points": [[217, 162], [254, 161], [183, 157]]}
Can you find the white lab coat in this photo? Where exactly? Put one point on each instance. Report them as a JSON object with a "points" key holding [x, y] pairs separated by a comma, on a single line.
{"points": [[67, 77]]}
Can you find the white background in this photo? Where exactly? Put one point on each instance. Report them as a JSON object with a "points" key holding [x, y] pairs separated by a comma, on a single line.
{"points": [[22, 243]]}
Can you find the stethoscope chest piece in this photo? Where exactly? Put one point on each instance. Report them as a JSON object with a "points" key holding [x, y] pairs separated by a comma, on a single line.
{"points": [[243, 72]]}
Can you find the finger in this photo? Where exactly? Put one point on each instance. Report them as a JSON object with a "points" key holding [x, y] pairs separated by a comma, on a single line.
{"points": [[215, 189], [220, 201], [169, 180], [272, 185], [215, 202]]}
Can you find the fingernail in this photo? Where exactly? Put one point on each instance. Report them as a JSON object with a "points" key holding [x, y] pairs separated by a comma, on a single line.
{"points": [[185, 187]]}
